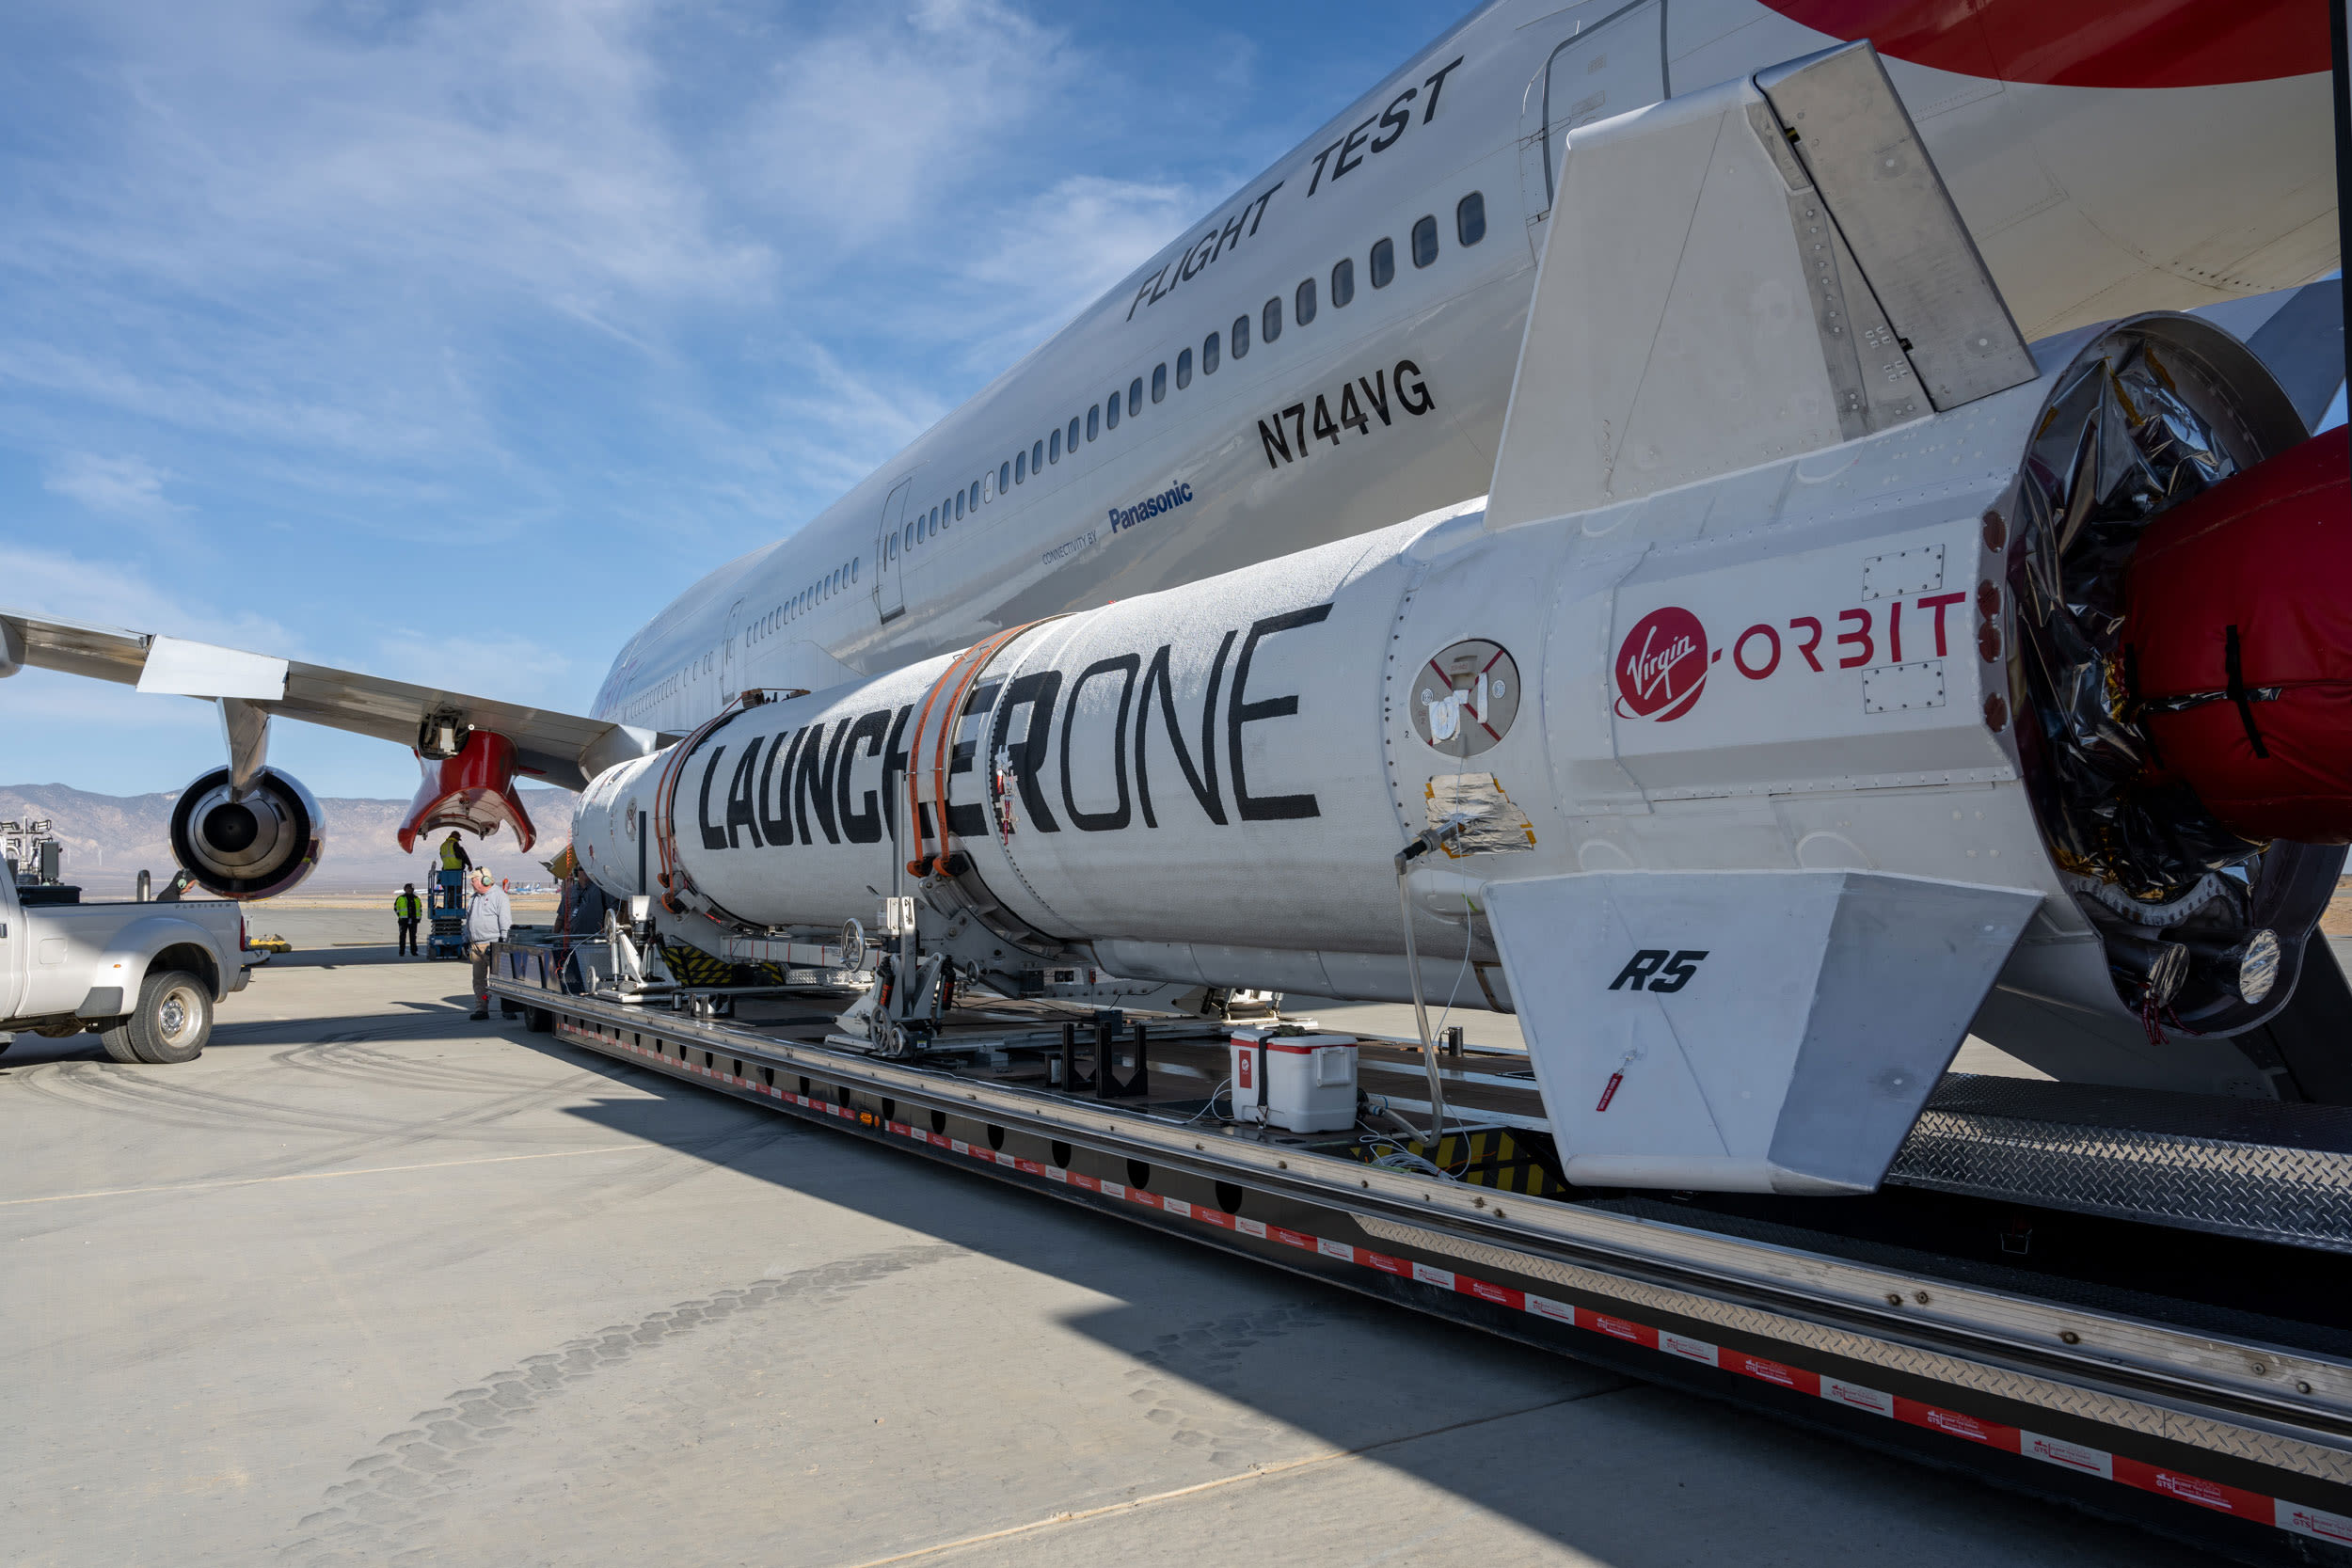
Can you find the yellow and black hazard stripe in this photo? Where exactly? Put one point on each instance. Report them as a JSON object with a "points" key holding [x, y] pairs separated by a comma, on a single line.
{"points": [[1490, 1157], [695, 967]]}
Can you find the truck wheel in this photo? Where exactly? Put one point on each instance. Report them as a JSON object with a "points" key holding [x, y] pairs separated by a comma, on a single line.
{"points": [[539, 1020], [173, 1020], [116, 1037]]}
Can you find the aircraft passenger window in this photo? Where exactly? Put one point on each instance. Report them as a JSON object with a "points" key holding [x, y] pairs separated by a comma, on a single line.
{"points": [[1020, 467], [1159, 382], [1241, 336], [974, 493], [1424, 241], [1270, 320], [1469, 218], [959, 503], [1208, 354], [987, 485], [1004, 478], [1073, 442], [1382, 263], [934, 527], [1134, 397], [1053, 446], [1184, 370], [1037, 456], [1303, 302], [854, 564], [1343, 282], [1111, 411], [1094, 423]]}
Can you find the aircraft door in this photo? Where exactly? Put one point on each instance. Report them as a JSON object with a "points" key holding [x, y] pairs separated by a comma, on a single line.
{"points": [[1613, 60], [730, 666], [890, 600]]}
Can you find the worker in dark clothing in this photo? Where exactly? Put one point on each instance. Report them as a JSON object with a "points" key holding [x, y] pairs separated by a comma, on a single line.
{"points": [[408, 910], [587, 902]]}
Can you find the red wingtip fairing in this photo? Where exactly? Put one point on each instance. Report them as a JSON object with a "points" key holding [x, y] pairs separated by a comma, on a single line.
{"points": [[2237, 639]]}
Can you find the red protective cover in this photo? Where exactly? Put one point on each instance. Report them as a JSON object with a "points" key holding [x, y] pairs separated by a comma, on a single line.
{"points": [[474, 789], [2268, 552]]}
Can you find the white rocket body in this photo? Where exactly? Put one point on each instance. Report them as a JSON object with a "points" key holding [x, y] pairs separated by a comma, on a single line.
{"points": [[1252, 845], [1743, 831]]}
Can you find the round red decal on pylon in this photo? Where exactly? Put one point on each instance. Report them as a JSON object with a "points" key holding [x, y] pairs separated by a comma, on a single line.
{"points": [[1661, 665]]}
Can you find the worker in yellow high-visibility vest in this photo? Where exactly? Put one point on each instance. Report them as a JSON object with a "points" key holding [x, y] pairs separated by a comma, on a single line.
{"points": [[456, 862], [408, 910]]}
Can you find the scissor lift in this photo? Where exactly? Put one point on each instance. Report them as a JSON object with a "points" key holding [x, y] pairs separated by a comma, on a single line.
{"points": [[445, 915]]}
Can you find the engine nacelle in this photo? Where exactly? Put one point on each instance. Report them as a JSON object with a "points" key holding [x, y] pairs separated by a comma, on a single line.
{"points": [[254, 845]]}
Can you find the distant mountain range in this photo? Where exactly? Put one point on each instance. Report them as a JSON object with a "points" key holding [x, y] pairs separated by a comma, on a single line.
{"points": [[109, 838]]}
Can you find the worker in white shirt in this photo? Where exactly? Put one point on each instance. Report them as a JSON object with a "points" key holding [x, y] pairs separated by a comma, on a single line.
{"points": [[488, 918]]}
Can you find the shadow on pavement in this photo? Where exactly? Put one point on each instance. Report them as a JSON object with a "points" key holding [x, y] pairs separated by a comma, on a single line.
{"points": [[1582, 1455]]}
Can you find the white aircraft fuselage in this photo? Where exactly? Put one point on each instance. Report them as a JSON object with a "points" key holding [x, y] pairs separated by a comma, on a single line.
{"points": [[1333, 348]]}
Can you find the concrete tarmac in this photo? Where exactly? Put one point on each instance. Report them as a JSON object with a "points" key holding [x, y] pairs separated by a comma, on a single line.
{"points": [[373, 1284]]}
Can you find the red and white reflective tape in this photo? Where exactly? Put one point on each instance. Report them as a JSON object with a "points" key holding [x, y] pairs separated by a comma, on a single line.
{"points": [[2318, 1524]]}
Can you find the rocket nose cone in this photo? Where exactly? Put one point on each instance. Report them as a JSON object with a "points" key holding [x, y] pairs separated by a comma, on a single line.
{"points": [[2237, 639]]}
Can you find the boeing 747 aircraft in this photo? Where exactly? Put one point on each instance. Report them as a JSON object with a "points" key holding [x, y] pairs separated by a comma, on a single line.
{"points": [[1332, 349]]}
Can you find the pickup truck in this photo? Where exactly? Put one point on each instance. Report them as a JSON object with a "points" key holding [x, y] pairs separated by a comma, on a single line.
{"points": [[143, 977]]}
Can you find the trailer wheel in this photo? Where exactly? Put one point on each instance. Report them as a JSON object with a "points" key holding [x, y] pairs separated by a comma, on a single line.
{"points": [[538, 1021], [172, 1022]]}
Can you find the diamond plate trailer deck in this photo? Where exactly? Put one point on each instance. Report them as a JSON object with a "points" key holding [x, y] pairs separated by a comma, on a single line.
{"points": [[2201, 1421]]}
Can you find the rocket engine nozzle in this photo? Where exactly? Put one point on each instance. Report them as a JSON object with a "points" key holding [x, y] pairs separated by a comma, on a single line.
{"points": [[2237, 644]]}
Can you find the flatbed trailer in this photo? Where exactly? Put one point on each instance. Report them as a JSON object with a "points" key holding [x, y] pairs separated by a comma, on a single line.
{"points": [[2137, 1308]]}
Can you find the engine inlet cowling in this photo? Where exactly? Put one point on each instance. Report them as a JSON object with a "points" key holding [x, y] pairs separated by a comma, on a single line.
{"points": [[253, 846], [2238, 636], [2176, 648]]}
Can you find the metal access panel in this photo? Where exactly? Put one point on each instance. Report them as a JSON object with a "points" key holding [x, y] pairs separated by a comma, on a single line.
{"points": [[2257, 1168], [1854, 138]]}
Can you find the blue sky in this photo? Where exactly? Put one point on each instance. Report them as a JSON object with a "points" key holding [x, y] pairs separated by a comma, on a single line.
{"points": [[313, 315]]}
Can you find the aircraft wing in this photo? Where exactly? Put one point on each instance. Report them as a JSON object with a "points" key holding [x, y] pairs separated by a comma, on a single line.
{"points": [[563, 749]]}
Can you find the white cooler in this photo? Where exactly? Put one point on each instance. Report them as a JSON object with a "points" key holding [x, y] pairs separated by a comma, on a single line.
{"points": [[1307, 1082]]}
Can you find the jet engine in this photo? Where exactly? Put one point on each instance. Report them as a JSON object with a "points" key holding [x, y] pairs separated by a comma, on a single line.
{"points": [[251, 844]]}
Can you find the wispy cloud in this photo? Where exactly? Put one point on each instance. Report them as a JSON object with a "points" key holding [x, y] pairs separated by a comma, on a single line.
{"points": [[319, 315], [511, 666], [873, 126], [128, 486], [122, 594]]}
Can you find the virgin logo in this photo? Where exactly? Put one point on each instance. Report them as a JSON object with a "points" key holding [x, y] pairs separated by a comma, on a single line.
{"points": [[1661, 665]]}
